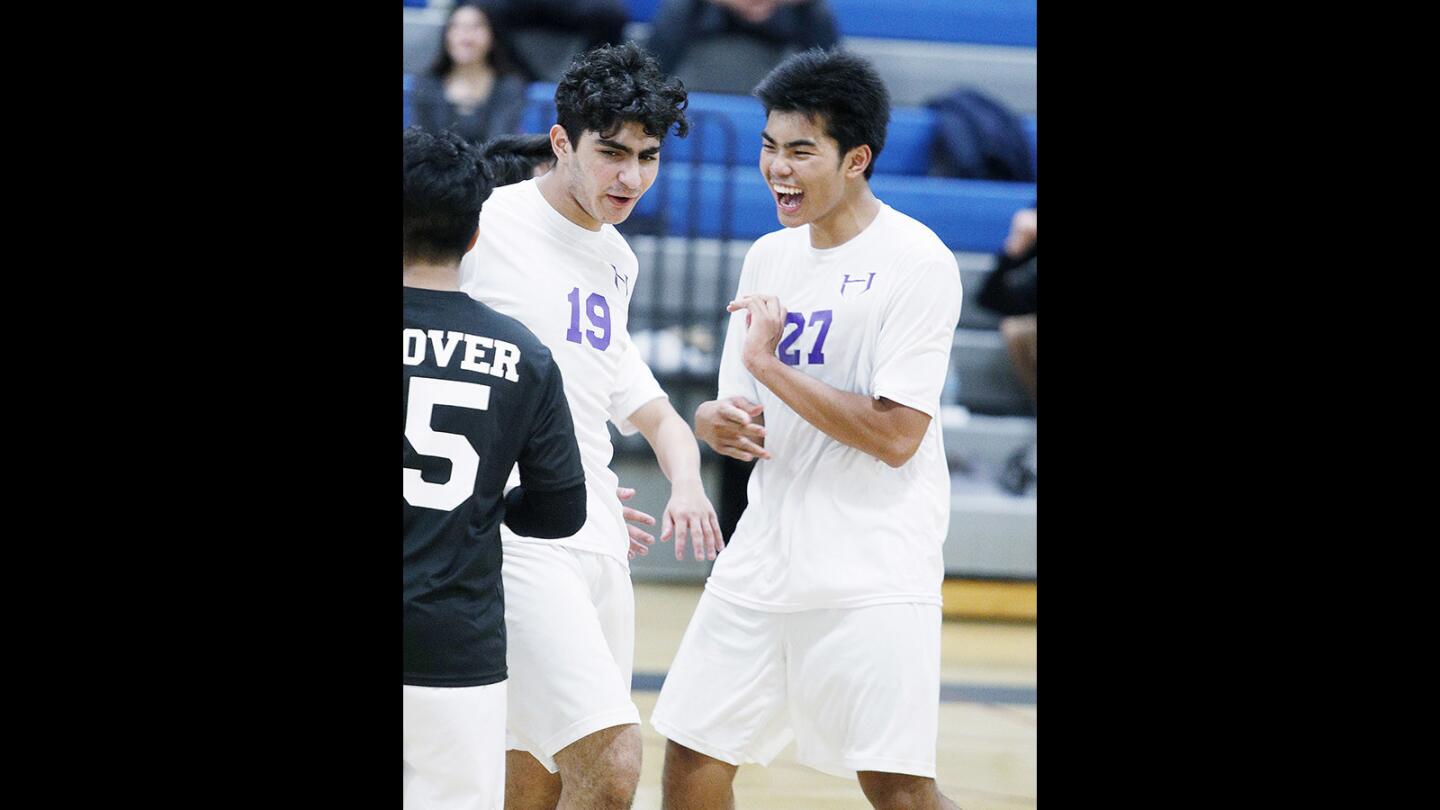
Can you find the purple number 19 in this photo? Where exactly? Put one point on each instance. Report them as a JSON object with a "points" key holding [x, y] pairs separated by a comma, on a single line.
{"points": [[817, 353], [597, 310]]}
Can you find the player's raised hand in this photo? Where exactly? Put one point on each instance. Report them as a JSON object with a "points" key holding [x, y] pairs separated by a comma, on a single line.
{"points": [[640, 540], [764, 322], [689, 515], [733, 427]]}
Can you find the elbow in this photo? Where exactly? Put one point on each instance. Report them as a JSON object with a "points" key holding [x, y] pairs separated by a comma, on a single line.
{"points": [[900, 451]]}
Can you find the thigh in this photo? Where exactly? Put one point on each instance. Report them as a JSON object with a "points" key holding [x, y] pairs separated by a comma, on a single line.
{"points": [[565, 681], [865, 688], [724, 695], [454, 747]]}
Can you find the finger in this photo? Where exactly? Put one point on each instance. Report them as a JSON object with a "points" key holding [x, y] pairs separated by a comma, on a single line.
{"points": [[719, 535], [736, 453], [682, 533], [638, 535], [708, 529], [637, 516], [665, 527], [738, 304], [624, 493], [755, 433], [697, 537], [736, 415], [751, 448], [638, 549]]}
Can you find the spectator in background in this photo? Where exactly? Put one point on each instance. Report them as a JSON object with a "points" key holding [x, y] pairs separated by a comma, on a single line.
{"points": [[473, 88], [1011, 291], [514, 158], [803, 24], [600, 22]]}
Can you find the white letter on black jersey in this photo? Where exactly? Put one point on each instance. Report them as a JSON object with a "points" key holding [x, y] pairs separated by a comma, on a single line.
{"points": [[444, 351], [507, 357], [472, 361], [414, 347]]}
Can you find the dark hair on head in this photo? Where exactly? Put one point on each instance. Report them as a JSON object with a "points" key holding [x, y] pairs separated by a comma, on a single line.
{"points": [[446, 182], [514, 158], [498, 59], [610, 86], [842, 88]]}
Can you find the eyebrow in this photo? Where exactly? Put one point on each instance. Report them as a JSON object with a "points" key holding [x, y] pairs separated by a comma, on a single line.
{"points": [[616, 145], [791, 144]]}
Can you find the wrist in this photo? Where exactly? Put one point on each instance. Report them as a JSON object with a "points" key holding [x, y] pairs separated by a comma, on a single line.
{"points": [[760, 364]]}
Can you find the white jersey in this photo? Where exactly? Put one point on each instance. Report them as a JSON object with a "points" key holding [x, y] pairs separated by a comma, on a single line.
{"points": [[829, 526], [571, 287]]}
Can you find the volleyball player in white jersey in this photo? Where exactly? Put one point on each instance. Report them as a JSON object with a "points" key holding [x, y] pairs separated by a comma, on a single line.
{"points": [[549, 256], [822, 617]]}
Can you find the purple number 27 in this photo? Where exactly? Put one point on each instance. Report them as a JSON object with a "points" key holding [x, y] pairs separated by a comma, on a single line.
{"points": [[597, 310], [817, 353]]}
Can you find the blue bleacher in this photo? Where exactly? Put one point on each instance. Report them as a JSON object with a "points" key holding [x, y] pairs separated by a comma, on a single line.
{"points": [[907, 146], [981, 22], [967, 215]]}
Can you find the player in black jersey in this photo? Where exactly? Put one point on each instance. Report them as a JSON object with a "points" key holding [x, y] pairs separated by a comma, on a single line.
{"points": [[481, 395]]}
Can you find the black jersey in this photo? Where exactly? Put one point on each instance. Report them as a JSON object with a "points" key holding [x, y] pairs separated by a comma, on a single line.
{"points": [[481, 395]]}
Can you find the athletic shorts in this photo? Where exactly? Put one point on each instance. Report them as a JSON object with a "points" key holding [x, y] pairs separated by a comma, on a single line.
{"points": [[455, 747], [570, 627], [857, 689]]}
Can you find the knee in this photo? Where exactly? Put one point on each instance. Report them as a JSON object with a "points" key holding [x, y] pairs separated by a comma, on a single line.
{"points": [[891, 791]]}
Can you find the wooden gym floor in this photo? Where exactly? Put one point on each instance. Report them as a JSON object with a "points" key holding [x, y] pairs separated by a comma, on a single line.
{"points": [[986, 757]]}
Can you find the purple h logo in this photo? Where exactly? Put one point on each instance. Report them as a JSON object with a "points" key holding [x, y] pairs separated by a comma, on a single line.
{"points": [[849, 280]]}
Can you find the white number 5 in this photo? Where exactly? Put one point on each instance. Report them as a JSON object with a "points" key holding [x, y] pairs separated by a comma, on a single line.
{"points": [[425, 394]]}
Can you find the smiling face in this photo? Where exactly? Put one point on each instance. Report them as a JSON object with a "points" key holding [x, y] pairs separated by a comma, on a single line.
{"points": [[468, 36], [604, 175], [808, 177]]}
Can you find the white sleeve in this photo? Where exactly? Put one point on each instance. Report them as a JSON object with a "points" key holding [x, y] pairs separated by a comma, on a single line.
{"points": [[913, 349], [735, 380], [635, 386]]}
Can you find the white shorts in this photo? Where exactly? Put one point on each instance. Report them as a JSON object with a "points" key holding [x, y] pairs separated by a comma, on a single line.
{"points": [[570, 628], [857, 689], [455, 747]]}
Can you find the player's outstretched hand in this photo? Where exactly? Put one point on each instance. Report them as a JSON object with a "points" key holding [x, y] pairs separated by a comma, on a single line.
{"points": [[689, 515], [733, 427], [764, 323], [640, 540]]}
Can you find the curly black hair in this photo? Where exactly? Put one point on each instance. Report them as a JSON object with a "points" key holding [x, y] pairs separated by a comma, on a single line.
{"points": [[610, 86], [446, 182], [841, 87]]}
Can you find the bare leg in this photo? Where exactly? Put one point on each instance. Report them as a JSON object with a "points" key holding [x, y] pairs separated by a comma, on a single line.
{"points": [[528, 786], [600, 771], [693, 781], [899, 791], [1020, 333]]}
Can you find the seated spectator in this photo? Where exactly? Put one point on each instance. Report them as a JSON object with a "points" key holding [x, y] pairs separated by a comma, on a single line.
{"points": [[1011, 291], [785, 24], [516, 158], [592, 22], [473, 88]]}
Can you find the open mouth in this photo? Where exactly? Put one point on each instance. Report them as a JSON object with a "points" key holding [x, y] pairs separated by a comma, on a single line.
{"points": [[618, 201], [787, 197]]}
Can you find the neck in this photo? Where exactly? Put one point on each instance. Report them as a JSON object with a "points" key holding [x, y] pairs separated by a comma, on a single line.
{"points": [[555, 188], [473, 72], [847, 220], [427, 276]]}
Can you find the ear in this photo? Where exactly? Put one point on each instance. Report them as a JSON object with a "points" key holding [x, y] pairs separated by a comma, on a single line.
{"points": [[474, 237], [559, 141], [856, 160]]}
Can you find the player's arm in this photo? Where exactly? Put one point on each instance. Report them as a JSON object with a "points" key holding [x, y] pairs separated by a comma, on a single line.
{"points": [[550, 501], [545, 514], [733, 423], [880, 427], [688, 513]]}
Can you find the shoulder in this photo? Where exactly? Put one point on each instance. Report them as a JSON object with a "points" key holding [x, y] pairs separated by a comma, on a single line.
{"points": [[504, 201], [920, 244], [424, 85], [616, 242], [780, 241]]}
